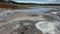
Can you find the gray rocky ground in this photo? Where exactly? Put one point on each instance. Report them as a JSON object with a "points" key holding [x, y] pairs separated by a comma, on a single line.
{"points": [[13, 22], [19, 23]]}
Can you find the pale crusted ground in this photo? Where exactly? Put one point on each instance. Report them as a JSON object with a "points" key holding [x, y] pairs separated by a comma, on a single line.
{"points": [[20, 23], [8, 24]]}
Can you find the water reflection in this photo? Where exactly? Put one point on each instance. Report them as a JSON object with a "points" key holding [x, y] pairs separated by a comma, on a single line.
{"points": [[37, 10]]}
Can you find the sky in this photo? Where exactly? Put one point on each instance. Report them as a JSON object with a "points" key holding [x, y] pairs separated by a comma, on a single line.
{"points": [[37, 1]]}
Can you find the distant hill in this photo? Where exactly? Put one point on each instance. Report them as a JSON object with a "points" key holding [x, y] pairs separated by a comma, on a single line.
{"points": [[31, 4], [11, 6]]}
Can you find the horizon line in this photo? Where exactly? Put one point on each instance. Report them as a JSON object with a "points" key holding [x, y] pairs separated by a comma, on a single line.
{"points": [[37, 2]]}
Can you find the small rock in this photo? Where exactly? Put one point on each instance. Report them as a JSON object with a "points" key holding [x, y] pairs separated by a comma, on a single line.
{"points": [[17, 27]]}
